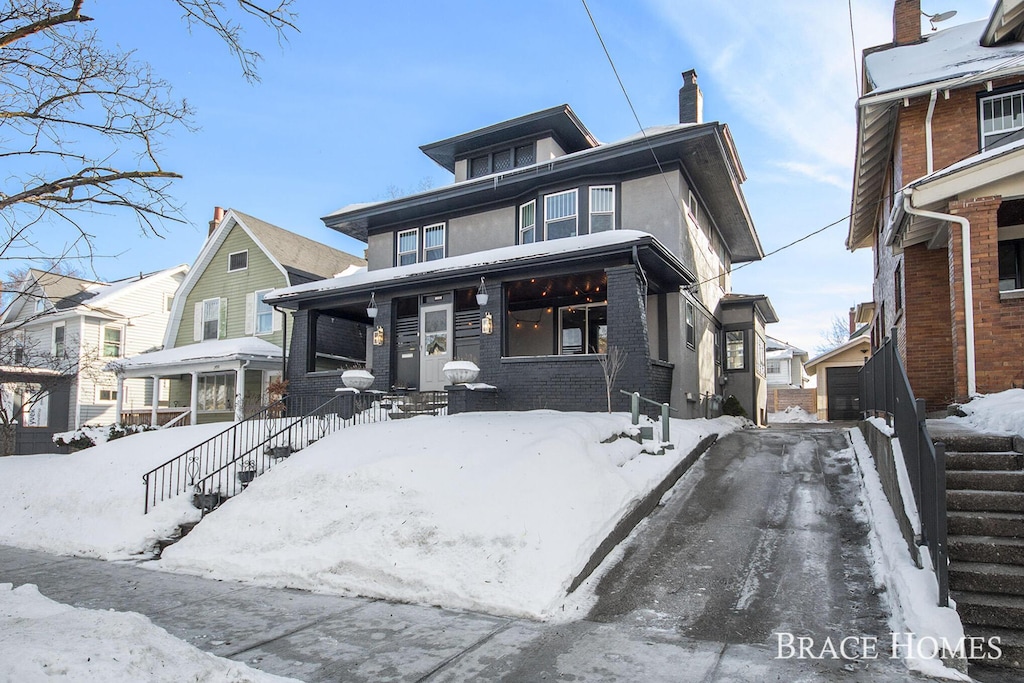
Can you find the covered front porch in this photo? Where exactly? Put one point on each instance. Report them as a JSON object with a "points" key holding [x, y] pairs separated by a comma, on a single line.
{"points": [[211, 381]]}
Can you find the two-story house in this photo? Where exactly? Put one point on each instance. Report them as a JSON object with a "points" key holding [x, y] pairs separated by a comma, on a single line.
{"points": [[785, 365], [548, 250], [74, 327], [223, 344], [939, 196]]}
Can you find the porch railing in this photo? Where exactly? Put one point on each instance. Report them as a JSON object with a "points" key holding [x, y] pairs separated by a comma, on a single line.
{"points": [[885, 390]]}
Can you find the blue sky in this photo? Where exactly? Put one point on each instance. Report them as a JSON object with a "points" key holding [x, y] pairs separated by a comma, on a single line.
{"points": [[344, 105]]}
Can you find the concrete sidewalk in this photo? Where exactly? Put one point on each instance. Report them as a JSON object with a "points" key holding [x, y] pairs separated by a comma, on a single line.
{"points": [[665, 614]]}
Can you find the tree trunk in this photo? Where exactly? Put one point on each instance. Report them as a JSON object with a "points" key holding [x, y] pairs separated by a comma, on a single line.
{"points": [[7, 439]]}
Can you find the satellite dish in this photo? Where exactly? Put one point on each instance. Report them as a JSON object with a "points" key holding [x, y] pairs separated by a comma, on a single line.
{"points": [[939, 16]]}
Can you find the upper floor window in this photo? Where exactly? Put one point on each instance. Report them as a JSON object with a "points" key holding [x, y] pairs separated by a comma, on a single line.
{"points": [[239, 260], [58, 347], [602, 208], [264, 317], [735, 350], [113, 344], [560, 215], [433, 242], [1002, 119], [691, 330], [528, 222], [40, 305], [502, 160], [211, 319], [1011, 265], [408, 247], [759, 353]]}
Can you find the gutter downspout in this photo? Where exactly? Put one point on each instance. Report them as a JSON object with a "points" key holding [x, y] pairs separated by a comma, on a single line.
{"points": [[928, 131], [965, 239]]}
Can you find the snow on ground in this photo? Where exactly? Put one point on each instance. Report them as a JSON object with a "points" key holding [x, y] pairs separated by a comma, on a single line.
{"points": [[97, 645], [90, 503], [792, 414], [495, 512], [912, 593], [1001, 412]]}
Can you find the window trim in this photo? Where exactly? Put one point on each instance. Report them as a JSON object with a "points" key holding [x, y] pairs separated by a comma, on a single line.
{"points": [[99, 394], [575, 216], [590, 207], [533, 225], [444, 241], [236, 253], [1014, 90], [120, 340], [203, 336], [415, 232], [256, 314]]}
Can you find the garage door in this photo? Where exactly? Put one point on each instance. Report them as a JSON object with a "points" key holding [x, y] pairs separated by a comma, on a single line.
{"points": [[843, 394]]}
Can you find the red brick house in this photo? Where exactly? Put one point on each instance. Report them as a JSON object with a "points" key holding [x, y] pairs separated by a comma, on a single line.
{"points": [[938, 184]]}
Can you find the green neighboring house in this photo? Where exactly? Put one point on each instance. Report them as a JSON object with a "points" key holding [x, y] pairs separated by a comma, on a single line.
{"points": [[224, 344]]}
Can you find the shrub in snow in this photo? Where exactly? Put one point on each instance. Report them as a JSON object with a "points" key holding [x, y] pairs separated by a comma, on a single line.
{"points": [[90, 435], [732, 407]]}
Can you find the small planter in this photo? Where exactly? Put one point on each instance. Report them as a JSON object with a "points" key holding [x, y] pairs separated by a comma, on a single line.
{"points": [[278, 451], [461, 371], [247, 473], [360, 380], [207, 501]]}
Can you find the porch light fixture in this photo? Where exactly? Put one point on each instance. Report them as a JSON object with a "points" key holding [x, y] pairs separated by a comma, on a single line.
{"points": [[487, 324], [371, 308], [378, 336], [939, 16], [481, 293]]}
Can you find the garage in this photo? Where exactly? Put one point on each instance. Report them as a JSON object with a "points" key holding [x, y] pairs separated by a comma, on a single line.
{"points": [[843, 393]]}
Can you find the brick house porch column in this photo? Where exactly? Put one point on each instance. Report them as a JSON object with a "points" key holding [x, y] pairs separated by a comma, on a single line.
{"points": [[627, 330]]}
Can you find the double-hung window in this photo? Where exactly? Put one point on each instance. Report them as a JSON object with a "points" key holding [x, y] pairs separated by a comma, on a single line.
{"points": [[602, 208], [211, 319], [433, 242], [560, 215], [59, 347], [1002, 119], [691, 330], [528, 222], [113, 341], [263, 322], [408, 247]]}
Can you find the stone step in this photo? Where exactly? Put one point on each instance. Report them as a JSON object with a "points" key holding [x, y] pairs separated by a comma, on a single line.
{"points": [[985, 609], [985, 524], [985, 480], [981, 577], [1005, 460], [995, 549], [985, 501], [1009, 641], [968, 442]]}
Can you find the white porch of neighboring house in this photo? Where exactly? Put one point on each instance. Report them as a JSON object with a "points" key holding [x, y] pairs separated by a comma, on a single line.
{"points": [[211, 381]]}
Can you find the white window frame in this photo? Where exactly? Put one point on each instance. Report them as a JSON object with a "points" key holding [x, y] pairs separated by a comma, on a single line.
{"points": [[532, 226], [590, 207], [40, 304], [205, 320], [213, 379], [1001, 134], [112, 393], [236, 253], [693, 206], [63, 341], [435, 227], [415, 251], [120, 341], [256, 300], [574, 216]]}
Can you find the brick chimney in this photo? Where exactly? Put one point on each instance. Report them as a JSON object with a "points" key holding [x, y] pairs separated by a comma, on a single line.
{"points": [[691, 100], [906, 22], [218, 216], [853, 320]]}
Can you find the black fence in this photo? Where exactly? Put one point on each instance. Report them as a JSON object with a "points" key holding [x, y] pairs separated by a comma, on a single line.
{"points": [[885, 391]]}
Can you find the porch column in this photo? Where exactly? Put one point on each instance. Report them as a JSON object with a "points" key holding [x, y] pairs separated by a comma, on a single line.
{"points": [[193, 401], [119, 401], [156, 401], [239, 391]]}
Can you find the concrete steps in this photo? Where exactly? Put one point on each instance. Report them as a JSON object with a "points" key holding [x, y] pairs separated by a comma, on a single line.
{"points": [[985, 502]]}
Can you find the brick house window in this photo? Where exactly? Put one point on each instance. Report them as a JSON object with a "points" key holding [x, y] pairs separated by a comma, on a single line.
{"points": [[583, 329], [1001, 119], [1011, 265]]}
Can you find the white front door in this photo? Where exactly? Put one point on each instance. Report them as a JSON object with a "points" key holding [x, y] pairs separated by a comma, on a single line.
{"points": [[435, 345]]}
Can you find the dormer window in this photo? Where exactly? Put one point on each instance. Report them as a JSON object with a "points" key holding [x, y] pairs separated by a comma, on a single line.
{"points": [[40, 305], [501, 160], [1002, 119]]}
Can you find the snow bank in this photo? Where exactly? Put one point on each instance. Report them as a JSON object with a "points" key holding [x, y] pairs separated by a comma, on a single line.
{"points": [[1001, 412], [90, 503], [100, 645], [792, 414], [912, 593], [495, 512]]}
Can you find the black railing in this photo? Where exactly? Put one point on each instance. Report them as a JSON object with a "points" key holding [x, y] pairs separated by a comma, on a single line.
{"points": [[885, 391]]}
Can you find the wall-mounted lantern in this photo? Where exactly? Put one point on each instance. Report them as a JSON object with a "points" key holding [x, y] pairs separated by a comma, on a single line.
{"points": [[371, 308], [481, 293], [487, 324], [378, 336]]}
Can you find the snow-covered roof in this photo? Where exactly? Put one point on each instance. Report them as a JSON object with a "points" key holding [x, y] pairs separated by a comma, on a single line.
{"points": [[219, 349], [451, 264]]}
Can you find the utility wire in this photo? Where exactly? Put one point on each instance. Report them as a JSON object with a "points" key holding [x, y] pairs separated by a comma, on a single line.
{"points": [[853, 46]]}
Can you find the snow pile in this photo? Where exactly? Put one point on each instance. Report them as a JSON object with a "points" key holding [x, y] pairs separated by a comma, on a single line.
{"points": [[792, 414], [495, 512], [99, 645], [90, 503], [912, 593], [1002, 412]]}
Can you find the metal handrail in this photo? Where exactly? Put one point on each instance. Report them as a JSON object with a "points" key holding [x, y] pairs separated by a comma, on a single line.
{"points": [[885, 389], [634, 409]]}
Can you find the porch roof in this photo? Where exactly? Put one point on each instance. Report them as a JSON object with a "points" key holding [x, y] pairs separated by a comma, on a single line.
{"points": [[658, 262], [201, 356]]}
